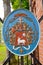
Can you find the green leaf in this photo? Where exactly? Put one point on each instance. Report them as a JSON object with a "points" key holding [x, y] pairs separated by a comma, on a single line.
{"points": [[17, 4]]}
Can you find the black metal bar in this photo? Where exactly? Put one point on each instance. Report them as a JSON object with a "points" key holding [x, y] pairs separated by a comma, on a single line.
{"points": [[27, 59], [22, 60], [7, 60], [1, 20], [31, 61], [33, 58], [9, 53], [37, 61], [18, 60], [40, 19]]}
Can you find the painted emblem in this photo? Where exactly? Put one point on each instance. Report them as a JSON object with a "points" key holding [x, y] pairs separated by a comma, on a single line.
{"points": [[21, 32]]}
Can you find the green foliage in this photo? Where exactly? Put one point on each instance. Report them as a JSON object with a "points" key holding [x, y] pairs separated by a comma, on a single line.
{"points": [[17, 4], [3, 52], [25, 60], [25, 4]]}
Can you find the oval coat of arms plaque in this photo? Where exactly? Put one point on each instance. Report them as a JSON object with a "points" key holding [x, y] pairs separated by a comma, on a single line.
{"points": [[21, 32]]}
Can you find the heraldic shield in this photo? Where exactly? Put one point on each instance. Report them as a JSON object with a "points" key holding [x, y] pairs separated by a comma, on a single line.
{"points": [[21, 32]]}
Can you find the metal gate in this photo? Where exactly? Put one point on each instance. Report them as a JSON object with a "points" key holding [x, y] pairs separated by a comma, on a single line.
{"points": [[33, 60]]}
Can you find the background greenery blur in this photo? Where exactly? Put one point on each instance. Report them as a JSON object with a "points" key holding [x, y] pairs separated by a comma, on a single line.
{"points": [[16, 4]]}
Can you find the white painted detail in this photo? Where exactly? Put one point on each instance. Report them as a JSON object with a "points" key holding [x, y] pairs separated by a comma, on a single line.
{"points": [[24, 34], [27, 48], [21, 41], [15, 48]]}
